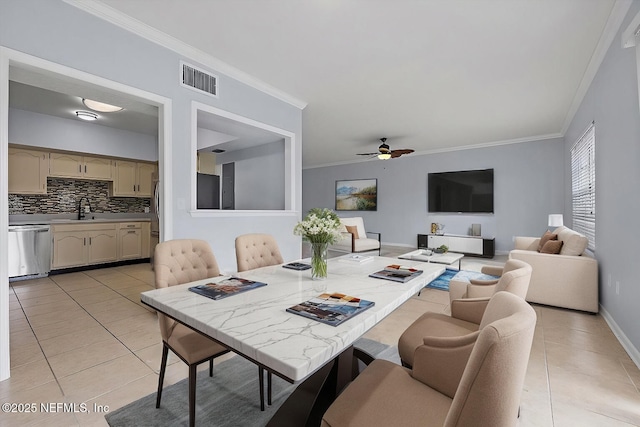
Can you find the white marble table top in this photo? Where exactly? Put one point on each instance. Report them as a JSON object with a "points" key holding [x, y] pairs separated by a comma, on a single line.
{"points": [[256, 325]]}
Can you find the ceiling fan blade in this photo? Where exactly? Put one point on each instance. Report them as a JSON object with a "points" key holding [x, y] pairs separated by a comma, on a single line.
{"points": [[367, 154], [398, 153]]}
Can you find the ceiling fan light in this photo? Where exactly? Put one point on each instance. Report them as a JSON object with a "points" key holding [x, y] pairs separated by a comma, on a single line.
{"points": [[87, 115], [101, 106], [384, 156]]}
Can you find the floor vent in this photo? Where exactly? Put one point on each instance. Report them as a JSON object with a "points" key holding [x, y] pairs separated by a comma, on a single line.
{"points": [[198, 79]]}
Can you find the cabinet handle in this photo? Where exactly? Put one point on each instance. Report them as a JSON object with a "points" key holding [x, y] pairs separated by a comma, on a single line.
{"points": [[130, 225], [84, 241], [134, 187], [131, 232], [89, 241], [80, 168], [85, 168]]}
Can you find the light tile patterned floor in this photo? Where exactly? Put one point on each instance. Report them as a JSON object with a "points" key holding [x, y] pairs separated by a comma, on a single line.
{"points": [[85, 338]]}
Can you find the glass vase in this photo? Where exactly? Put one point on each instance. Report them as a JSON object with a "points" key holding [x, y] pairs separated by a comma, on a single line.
{"points": [[319, 261]]}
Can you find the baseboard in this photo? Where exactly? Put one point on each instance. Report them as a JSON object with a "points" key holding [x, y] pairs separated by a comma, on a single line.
{"points": [[628, 346]]}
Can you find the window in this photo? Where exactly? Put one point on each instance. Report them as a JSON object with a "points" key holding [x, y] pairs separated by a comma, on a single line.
{"points": [[583, 185]]}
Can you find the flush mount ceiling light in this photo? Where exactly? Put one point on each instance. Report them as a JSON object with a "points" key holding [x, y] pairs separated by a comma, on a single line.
{"points": [[101, 106], [87, 115]]}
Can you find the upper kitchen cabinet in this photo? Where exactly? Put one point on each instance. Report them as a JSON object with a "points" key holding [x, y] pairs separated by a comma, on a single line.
{"points": [[66, 165], [28, 171], [133, 179]]}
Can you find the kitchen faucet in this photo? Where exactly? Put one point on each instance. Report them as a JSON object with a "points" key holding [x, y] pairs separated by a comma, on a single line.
{"points": [[80, 210]]}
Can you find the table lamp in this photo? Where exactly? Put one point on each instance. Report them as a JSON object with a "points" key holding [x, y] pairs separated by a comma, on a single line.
{"points": [[555, 220]]}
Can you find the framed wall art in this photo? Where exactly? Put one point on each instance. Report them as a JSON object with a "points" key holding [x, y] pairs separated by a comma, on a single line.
{"points": [[357, 195]]}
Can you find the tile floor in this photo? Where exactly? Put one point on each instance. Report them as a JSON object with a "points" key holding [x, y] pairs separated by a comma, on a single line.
{"points": [[84, 338]]}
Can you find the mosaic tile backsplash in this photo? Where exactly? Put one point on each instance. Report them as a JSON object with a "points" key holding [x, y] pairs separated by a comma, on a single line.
{"points": [[63, 196]]}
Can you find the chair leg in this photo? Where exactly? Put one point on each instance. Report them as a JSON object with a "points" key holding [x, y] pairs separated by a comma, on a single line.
{"points": [[261, 384], [211, 367], [192, 395], [163, 367], [269, 387]]}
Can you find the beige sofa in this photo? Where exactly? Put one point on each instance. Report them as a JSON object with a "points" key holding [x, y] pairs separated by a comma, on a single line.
{"points": [[568, 279], [354, 237]]}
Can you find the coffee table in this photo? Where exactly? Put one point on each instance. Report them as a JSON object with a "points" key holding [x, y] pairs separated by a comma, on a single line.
{"points": [[448, 258]]}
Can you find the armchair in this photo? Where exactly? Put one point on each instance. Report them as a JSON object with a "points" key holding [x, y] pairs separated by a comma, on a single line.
{"points": [[473, 379], [469, 299], [354, 237]]}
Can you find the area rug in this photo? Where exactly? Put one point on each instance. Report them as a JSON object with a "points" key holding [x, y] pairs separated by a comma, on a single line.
{"points": [[229, 398], [442, 281]]}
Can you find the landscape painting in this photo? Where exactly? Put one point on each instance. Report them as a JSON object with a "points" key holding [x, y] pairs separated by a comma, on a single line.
{"points": [[357, 195]]}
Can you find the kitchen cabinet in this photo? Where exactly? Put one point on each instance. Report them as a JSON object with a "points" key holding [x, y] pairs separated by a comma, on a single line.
{"points": [[82, 244], [130, 240], [132, 179], [146, 239], [66, 165], [28, 171], [206, 163]]}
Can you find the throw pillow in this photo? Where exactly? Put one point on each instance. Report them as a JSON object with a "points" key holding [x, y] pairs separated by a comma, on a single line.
{"points": [[545, 238], [353, 229], [551, 247]]}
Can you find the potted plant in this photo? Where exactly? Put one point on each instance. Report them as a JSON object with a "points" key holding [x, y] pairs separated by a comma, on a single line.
{"points": [[441, 249]]}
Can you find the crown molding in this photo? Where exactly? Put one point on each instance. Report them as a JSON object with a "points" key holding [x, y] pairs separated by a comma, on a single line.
{"points": [[450, 149], [617, 15], [143, 30]]}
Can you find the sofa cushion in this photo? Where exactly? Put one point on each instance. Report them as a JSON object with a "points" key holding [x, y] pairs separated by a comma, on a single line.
{"points": [[353, 230], [573, 243], [545, 238], [552, 247]]}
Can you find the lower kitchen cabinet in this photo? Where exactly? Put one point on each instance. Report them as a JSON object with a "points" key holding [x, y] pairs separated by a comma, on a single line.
{"points": [[78, 244], [83, 244], [130, 240]]}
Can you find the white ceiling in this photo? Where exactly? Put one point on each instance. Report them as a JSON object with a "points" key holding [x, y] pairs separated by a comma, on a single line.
{"points": [[61, 97], [430, 75]]}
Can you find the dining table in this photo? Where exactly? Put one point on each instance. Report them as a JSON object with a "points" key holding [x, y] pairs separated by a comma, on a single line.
{"points": [[256, 324]]}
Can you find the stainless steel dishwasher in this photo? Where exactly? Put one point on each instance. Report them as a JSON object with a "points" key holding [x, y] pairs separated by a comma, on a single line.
{"points": [[29, 251]]}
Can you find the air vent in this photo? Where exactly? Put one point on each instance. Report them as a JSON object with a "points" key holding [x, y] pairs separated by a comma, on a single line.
{"points": [[198, 79]]}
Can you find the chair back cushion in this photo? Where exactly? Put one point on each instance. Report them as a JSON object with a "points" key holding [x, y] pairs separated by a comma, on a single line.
{"points": [[491, 385], [358, 222], [256, 250], [516, 280], [181, 261]]}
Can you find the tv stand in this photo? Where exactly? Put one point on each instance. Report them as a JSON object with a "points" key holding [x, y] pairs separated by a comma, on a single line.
{"points": [[468, 245]]}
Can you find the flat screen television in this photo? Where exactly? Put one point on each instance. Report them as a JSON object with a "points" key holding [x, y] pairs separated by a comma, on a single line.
{"points": [[461, 192]]}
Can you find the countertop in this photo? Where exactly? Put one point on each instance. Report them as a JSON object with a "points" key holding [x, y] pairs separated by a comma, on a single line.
{"points": [[73, 218]]}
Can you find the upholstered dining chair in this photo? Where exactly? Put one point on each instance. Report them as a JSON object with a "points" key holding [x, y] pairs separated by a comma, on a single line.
{"points": [[469, 299], [254, 251], [257, 250], [469, 380], [177, 262]]}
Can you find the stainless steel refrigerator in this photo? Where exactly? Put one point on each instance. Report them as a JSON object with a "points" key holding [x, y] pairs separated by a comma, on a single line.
{"points": [[155, 215], [208, 191]]}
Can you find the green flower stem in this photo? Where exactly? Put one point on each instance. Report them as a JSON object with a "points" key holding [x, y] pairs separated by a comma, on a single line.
{"points": [[319, 260]]}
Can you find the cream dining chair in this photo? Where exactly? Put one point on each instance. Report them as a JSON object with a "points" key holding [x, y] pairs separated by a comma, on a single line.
{"points": [[254, 251], [475, 379], [177, 262]]}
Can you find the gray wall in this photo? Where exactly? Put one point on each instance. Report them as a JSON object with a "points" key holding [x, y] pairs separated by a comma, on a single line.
{"points": [[40, 130], [528, 185], [612, 103], [259, 176], [60, 33]]}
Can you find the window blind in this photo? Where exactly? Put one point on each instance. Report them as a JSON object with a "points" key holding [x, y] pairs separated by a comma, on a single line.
{"points": [[583, 184]]}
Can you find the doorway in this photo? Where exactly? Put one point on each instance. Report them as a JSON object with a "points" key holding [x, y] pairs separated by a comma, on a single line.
{"points": [[11, 59]]}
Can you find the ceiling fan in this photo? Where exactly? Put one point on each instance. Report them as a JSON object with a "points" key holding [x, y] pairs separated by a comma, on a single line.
{"points": [[384, 152]]}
